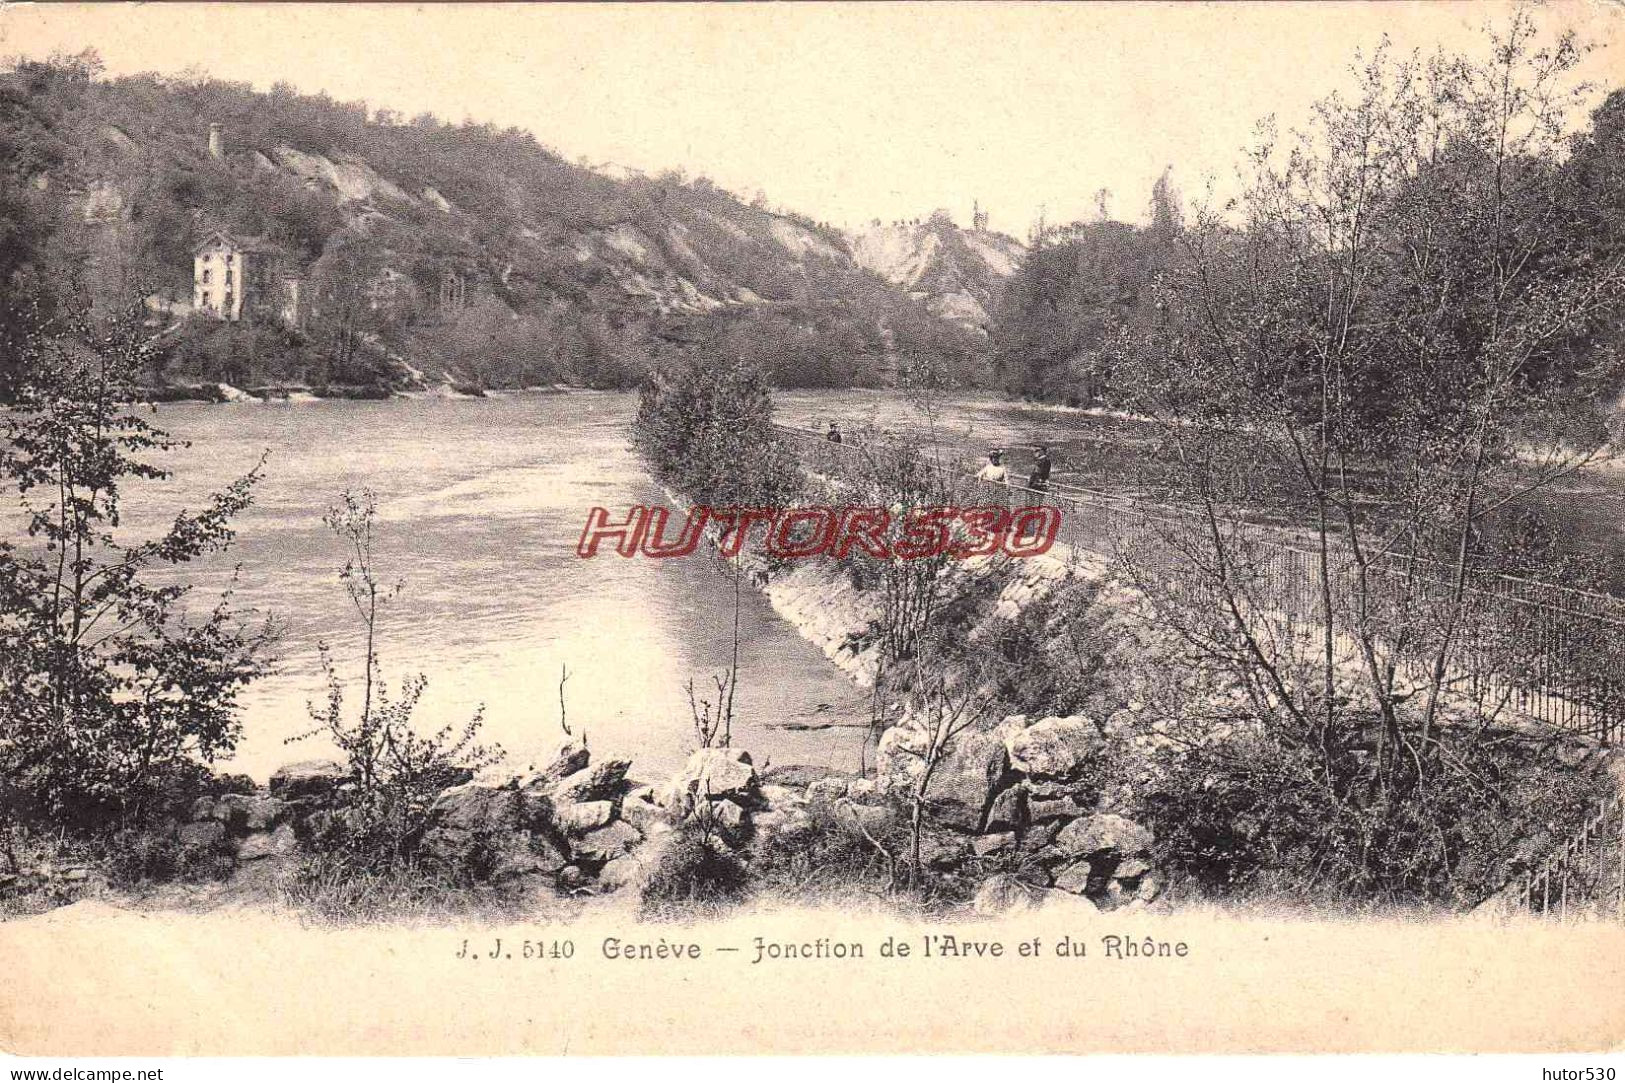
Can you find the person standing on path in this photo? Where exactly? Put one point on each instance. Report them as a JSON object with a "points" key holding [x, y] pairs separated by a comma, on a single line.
{"points": [[994, 470], [1038, 480]]}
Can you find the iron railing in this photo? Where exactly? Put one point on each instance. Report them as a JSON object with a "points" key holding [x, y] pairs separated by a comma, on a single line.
{"points": [[1551, 653], [1585, 875]]}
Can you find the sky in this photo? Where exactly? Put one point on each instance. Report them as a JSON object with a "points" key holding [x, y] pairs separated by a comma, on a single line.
{"points": [[844, 112]]}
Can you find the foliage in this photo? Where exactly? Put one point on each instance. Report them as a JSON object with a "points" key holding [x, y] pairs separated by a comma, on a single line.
{"points": [[1250, 815], [706, 429], [568, 252], [1384, 344], [830, 857], [1075, 292], [396, 773], [146, 855], [695, 870], [108, 686], [1053, 656], [333, 888]]}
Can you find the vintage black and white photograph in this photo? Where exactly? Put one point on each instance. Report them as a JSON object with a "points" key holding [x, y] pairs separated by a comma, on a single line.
{"points": [[797, 492]]}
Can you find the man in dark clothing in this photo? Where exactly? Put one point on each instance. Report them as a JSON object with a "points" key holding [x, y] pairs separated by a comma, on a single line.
{"points": [[834, 433], [1038, 480]]}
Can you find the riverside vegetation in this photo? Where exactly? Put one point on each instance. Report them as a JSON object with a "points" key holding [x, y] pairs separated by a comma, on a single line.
{"points": [[1412, 338]]}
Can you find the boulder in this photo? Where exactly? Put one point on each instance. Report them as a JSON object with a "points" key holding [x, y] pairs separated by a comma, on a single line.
{"points": [[1056, 748], [472, 807], [1106, 834], [567, 759], [1056, 900], [963, 781], [864, 790], [201, 835], [607, 843], [580, 817], [246, 813], [598, 782], [224, 784], [717, 773], [1131, 869], [1122, 724], [729, 816], [1050, 790], [1050, 856], [638, 808], [631, 872], [782, 797], [1038, 836], [1074, 877], [500, 832], [1045, 809], [828, 789], [944, 854], [1008, 812], [1004, 894], [864, 818], [308, 778], [987, 845], [774, 822], [624, 872], [259, 847], [513, 863]]}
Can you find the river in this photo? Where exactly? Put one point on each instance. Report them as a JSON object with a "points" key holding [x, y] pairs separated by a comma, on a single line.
{"points": [[481, 503]]}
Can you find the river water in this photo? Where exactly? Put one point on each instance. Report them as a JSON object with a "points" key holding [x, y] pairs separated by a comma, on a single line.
{"points": [[481, 503]]}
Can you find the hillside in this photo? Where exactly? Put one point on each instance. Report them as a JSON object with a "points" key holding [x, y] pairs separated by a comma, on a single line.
{"points": [[957, 273], [466, 252]]}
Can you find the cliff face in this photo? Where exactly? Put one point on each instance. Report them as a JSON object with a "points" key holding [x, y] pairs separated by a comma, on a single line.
{"points": [[955, 272], [425, 220]]}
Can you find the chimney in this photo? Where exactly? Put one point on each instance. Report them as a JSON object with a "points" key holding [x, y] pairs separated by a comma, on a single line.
{"points": [[216, 146]]}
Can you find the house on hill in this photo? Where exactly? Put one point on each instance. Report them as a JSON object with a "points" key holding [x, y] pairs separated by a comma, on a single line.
{"points": [[236, 278]]}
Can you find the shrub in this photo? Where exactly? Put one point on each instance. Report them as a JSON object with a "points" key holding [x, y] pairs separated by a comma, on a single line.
{"points": [[110, 693], [1247, 815], [396, 773], [829, 856], [707, 430], [696, 871], [140, 856]]}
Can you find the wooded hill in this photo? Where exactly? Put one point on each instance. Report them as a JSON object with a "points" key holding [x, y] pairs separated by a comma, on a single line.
{"points": [[484, 257]]}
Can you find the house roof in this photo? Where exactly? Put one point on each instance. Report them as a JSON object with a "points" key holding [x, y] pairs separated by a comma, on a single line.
{"points": [[231, 240]]}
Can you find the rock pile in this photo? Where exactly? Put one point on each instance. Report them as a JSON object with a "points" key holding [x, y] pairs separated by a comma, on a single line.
{"points": [[1030, 791]]}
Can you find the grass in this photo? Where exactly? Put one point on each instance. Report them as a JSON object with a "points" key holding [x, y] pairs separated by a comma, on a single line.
{"points": [[326, 890]]}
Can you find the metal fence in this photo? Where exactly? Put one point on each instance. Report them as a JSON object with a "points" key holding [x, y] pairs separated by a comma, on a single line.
{"points": [[1551, 653], [1584, 876]]}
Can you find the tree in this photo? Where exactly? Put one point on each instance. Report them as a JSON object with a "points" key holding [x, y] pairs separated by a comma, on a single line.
{"points": [[1377, 347], [707, 429], [397, 772], [109, 690], [344, 313]]}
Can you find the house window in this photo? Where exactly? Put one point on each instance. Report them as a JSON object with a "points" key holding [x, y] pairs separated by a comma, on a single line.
{"points": [[228, 274], [205, 296], [207, 274]]}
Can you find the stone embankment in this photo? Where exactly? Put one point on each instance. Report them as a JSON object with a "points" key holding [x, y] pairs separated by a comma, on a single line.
{"points": [[1015, 797]]}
